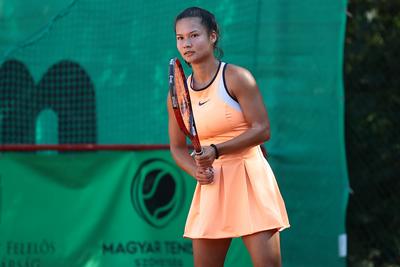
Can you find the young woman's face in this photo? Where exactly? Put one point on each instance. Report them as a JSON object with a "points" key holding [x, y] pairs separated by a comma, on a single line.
{"points": [[193, 41]]}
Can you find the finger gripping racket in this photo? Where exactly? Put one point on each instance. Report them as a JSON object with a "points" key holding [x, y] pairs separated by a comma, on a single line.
{"points": [[181, 104]]}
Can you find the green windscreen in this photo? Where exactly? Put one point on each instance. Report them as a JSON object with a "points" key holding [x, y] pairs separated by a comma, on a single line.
{"points": [[95, 71]]}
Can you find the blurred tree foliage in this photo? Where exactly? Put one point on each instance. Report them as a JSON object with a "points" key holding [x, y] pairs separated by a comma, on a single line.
{"points": [[372, 82]]}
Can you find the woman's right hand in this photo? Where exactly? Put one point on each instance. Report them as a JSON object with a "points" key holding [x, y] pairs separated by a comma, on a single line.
{"points": [[204, 175]]}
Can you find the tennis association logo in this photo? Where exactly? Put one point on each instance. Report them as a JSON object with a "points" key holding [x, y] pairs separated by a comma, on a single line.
{"points": [[157, 192]]}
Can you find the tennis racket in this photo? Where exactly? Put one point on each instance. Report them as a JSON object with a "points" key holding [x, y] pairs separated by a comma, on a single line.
{"points": [[181, 104]]}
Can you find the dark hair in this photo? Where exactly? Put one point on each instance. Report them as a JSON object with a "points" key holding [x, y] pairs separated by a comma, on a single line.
{"points": [[207, 20]]}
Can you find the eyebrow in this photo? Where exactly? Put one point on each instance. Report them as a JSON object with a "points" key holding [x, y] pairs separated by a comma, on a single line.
{"points": [[188, 33]]}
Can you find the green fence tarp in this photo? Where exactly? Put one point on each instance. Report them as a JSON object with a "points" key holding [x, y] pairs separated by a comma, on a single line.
{"points": [[86, 71]]}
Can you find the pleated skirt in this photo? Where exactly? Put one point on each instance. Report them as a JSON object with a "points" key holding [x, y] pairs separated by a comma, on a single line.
{"points": [[243, 199]]}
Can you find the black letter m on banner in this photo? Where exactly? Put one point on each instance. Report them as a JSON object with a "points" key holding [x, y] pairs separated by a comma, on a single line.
{"points": [[65, 88]]}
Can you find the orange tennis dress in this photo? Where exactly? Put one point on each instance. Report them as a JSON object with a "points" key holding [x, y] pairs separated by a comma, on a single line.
{"points": [[244, 197]]}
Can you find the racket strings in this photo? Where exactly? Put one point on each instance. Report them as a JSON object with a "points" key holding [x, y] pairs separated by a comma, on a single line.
{"points": [[183, 101]]}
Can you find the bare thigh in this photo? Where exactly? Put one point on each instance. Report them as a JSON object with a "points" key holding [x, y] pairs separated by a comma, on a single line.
{"points": [[264, 248], [210, 252]]}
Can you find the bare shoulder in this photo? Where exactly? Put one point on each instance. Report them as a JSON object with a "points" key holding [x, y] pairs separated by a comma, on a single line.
{"points": [[238, 78]]}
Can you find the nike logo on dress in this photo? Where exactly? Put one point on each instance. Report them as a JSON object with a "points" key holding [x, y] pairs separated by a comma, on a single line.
{"points": [[202, 103]]}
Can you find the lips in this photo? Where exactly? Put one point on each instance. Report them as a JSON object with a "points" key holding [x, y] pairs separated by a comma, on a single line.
{"points": [[189, 53]]}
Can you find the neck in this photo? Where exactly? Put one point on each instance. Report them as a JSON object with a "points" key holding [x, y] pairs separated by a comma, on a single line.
{"points": [[204, 72]]}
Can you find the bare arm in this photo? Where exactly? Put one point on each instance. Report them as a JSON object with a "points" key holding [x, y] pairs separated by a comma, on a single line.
{"points": [[243, 87]]}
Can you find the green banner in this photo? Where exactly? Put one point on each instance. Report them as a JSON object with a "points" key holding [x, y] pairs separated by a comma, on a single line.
{"points": [[96, 209]]}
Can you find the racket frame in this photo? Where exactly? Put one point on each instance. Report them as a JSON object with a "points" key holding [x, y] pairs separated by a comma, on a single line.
{"points": [[190, 133]]}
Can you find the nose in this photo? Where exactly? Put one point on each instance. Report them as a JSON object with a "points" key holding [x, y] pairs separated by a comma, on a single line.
{"points": [[187, 43]]}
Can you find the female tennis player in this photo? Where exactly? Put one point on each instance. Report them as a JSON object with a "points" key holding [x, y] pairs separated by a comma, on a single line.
{"points": [[240, 197]]}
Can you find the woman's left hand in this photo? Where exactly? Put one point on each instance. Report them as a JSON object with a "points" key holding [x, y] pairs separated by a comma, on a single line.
{"points": [[207, 158]]}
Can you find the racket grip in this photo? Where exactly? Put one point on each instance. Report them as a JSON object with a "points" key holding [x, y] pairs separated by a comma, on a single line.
{"points": [[198, 153], [209, 169], [194, 152]]}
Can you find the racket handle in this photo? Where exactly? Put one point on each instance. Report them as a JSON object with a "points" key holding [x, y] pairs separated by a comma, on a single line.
{"points": [[198, 153], [210, 169]]}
